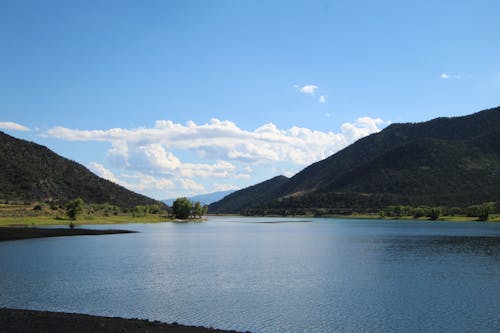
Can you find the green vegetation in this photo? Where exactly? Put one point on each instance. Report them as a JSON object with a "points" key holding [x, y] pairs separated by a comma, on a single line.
{"points": [[397, 212], [485, 210], [74, 207], [183, 208], [29, 214], [32, 173], [445, 162]]}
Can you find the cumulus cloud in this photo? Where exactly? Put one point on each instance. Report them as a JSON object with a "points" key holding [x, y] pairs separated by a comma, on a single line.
{"points": [[309, 89], [8, 125], [224, 150], [322, 99], [139, 181], [361, 127], [221, 141], [191, 186]]}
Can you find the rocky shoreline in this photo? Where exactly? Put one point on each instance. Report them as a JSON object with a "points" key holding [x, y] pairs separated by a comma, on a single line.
{"points": [[21, 321]]}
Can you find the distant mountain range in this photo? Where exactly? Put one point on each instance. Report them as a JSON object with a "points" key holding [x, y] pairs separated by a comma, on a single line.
{"points": [[29, 171], [445, 161], [204, 199]]}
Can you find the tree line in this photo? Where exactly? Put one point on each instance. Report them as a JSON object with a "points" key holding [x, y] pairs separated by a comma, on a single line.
{"points": [[482, 211], [182, 208]]}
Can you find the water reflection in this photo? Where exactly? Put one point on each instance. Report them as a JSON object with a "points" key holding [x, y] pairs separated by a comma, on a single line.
{"points": [[261, 275]]}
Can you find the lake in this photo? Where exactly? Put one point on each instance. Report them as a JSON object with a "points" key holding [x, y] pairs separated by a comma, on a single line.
{"points": [[269, 274]]}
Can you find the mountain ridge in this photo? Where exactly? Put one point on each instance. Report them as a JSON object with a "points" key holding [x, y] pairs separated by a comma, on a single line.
{"points": [[443, 161], [29, 171]]}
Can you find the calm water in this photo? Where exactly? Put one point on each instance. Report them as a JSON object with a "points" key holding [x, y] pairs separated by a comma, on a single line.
{"points": [[269, 275]]}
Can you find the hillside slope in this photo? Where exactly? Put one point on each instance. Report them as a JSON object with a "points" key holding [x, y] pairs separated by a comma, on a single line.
{"points": [[445, 161], [29, 171], [250, 197]]}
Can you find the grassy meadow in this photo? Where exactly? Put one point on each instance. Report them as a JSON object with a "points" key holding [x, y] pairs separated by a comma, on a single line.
{"points": [[39, 214]]}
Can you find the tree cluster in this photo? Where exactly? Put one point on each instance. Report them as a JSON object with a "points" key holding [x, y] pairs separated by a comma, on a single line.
{"points": [[183, 208]]}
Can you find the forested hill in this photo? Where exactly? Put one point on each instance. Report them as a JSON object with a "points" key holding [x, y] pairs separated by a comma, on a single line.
{"points": [[445, 161], [29, 171]]}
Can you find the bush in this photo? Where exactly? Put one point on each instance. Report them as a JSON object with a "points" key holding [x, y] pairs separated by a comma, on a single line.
{"points": [[434, 213]]}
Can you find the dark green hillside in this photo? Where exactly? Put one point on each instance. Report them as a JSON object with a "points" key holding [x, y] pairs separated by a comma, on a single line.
{"points": [[29, 171], [249, 197], [445, 161], [482, 128]]}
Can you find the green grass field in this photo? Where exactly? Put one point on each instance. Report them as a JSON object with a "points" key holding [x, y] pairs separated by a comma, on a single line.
{"points": [[30, 221], [27, 215]]}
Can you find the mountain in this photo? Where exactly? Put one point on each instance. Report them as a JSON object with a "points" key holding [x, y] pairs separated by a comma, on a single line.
{"points": [[249, 197], [204, 199], [445, 161], [29, 171]]}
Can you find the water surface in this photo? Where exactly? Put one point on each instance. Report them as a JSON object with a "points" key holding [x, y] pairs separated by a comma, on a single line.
{"points": [[269, 274]]}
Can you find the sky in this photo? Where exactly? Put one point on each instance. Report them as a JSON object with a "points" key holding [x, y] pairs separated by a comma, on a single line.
{"points": [[177, 98]]}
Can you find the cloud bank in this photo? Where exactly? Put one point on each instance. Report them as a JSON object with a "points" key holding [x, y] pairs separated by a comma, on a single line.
{"points": [[153, 155]]}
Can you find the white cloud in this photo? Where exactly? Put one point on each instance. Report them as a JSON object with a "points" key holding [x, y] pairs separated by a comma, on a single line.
{"points": [[140, 181], [309, 89], [154, 158], [224, 187], [191, 186], [103, 172], [362, 127], [450, 76], [220, 141], [8, 125], [322, 99]]}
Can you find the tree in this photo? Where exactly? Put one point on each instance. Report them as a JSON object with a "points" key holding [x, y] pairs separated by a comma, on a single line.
{"points": [[74, 207], [204, 210], [485, 210], [197, 209], [434, 213], [140, 210], [182, 208], [154, 209], [418, 212]]}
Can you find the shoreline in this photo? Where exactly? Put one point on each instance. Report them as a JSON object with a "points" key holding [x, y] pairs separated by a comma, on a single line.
{"points": [[446, 218], [20, 321], [19, 233]]}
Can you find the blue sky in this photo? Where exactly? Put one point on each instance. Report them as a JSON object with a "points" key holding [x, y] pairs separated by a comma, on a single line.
{"points": [[173, 98]]}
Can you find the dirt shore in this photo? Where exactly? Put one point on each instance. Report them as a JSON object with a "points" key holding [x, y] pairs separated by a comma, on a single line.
{"points": [[21, 321], [7, 233]]}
